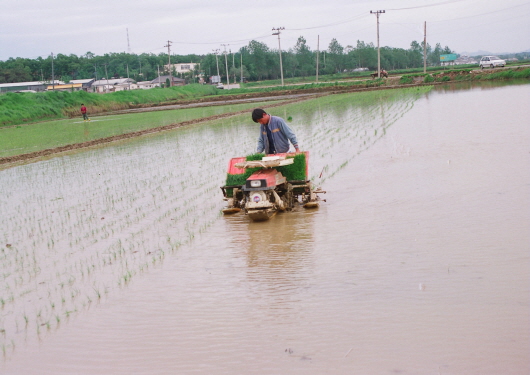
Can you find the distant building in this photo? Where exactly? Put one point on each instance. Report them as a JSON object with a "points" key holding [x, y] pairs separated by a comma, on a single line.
{"points": [[27, 86], [145, 85], [465, 60], [182, 67], [65, 87], [215, 80], [112, 85], [161, 81], [86, 84]]}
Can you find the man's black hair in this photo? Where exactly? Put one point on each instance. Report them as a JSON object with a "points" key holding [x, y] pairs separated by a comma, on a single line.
{"points": [[257, 114]]}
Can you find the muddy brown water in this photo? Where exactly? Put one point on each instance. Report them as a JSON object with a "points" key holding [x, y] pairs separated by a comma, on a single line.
{"points": [[119, 262]]}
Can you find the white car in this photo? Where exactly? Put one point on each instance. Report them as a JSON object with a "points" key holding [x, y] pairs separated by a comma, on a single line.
{"points": [[491, 61]]}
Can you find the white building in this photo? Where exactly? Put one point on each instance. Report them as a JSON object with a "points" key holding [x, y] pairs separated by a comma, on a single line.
{"points": [[145, 85], [182, 67], [161, 81], [111, 85]]}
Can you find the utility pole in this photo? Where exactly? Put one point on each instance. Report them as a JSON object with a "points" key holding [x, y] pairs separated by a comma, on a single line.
{"points": [[425, 47], [241, 80], [226, 63], [318, 53], [377, 13], [107, 78], [216, 51], [277, 32], [53, 76], [128, 44], [169, 61], [233, 64]]}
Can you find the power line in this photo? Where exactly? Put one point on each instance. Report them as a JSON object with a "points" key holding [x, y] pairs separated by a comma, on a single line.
{"points": [[332, 24], [483, 14], [430, 5]]}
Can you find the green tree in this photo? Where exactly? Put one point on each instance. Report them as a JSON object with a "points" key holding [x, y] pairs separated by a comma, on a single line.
{"points": [[336, 56], [258, 59], [415, 56], [304, 56]]}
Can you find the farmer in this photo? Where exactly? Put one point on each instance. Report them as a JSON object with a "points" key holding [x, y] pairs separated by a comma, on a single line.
{"points": [[275, 134], [83, 111]]}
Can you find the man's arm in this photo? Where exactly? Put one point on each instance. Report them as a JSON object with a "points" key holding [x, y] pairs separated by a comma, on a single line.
{"points": [[288, 133], [261, 146]]}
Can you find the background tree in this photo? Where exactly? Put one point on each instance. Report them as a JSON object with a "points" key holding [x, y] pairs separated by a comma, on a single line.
{"points": [[258, 60], [415, 56], [305, 57], [335, 56]]}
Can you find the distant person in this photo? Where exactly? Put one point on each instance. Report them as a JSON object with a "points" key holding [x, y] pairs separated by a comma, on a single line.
{"points": [[83, 112], [275, 134]]}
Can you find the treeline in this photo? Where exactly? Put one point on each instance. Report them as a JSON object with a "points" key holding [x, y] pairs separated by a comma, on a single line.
{"points": [[256, 61]]}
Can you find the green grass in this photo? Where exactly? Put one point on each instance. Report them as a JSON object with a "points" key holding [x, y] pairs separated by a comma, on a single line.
{"points": [[23, 139], [19, 108], [507, 74]]}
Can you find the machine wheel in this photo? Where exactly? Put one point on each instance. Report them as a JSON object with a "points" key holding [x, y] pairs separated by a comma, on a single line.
{"points": [[288, 197], [492, 66]]}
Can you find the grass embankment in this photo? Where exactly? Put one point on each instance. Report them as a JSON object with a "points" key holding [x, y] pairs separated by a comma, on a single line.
{"points": [[19, 108], [18, 140], [458, 75]]}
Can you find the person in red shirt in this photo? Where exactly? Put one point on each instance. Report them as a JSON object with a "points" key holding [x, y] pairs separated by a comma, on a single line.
{"points": [[83, 112]]}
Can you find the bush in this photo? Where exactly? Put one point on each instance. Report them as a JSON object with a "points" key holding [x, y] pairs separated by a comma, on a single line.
{"points": [[428, 78], [405, 80]]}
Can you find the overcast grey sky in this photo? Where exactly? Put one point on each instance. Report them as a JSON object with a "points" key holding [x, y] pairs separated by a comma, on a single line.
{"points": [[33, 28]]}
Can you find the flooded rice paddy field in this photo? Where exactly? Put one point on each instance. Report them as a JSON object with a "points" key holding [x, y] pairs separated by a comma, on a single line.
{"points": [[116, 260]]}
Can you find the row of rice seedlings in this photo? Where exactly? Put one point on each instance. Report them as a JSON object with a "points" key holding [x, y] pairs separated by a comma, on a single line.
{"points": [[117, 254]]}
